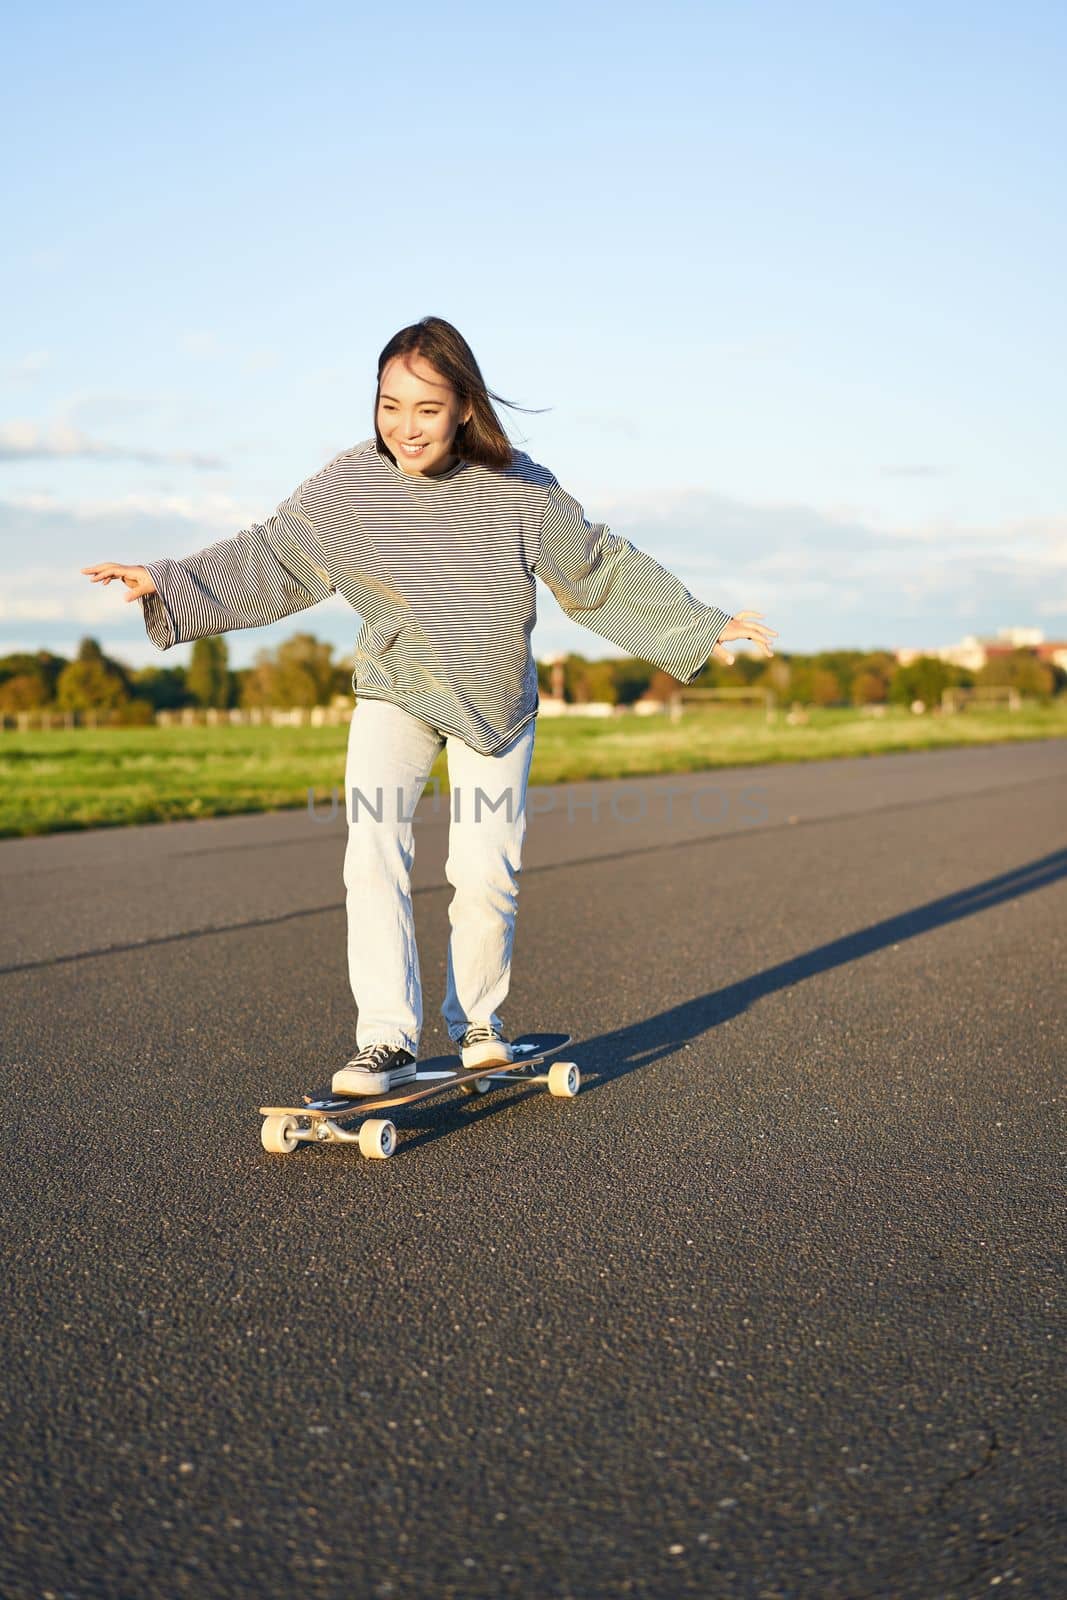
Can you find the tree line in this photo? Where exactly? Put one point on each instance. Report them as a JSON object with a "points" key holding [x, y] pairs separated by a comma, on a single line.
{"points": [[827, 678], [299, 672], [302, 672]]}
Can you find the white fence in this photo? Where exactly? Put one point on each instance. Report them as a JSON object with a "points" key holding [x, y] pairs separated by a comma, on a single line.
{"points": [[188, 717], [277, 717], [340, 713]]}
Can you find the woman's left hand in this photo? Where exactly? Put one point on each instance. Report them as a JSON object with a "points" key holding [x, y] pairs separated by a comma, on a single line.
{"points": [[740, 627]]}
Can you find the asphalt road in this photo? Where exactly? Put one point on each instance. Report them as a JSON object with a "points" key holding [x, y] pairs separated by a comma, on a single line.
{"points": [[768, 1310]]}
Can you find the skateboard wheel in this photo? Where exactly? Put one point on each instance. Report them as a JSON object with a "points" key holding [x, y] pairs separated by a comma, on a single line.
{"points": [[564, 1079], [377, 1139], [479, 1086], [278, 1135]]}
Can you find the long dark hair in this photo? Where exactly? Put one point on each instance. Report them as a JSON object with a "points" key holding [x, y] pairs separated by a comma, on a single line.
{"points": [[482, 440]]}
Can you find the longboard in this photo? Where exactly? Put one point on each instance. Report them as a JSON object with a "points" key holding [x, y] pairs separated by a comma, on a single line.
{"points": [[323, 1116]]}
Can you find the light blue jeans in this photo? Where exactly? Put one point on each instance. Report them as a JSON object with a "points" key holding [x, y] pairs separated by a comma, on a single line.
{"points": [[390, 753]]}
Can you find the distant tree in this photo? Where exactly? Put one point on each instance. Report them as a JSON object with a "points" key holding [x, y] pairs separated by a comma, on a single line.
{"points": [[39, 664], [578, 679], [801, 685], [306, 663], [341, 682], [242, 692], [136, 714], [574, 678], [90, 654], [597, 682], [746, 670], [661, 686], [748, 667], [870, 679], [299, 673], [257, 684], [90, 686], [23, 691], [1021, 670], [843, 664], [869, 688], [825, 687], [93, 680], [164, 688], [922, 679], [716, 674], [632, 678], [208, 677]]}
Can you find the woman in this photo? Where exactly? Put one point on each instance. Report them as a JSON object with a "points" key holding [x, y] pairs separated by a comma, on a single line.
{"points": [[434, 530]]}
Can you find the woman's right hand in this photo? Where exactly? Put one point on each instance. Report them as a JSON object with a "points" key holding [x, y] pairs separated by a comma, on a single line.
{"points": [[740, 627], [137, 579]]}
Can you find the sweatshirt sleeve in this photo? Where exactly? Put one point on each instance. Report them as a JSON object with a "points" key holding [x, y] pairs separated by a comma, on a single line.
{"points": [[621, 593], [264, 573]]}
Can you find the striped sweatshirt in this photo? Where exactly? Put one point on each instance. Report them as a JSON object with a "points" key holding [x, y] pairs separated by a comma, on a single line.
{"points": [[441, 570]]}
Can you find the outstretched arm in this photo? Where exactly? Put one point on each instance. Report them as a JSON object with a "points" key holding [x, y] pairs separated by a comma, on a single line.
{"points": [[266, 572], [626, 596]]}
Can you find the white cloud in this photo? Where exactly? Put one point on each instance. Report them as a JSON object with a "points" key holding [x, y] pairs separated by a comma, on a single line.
{"points": [[56, 594], [753, 348], [822, 579], [26, 441], [257, 361], [695, 518], [200, 343], [90, 407], [29, 365], [213, 508], [825, 578], [613, 422]]}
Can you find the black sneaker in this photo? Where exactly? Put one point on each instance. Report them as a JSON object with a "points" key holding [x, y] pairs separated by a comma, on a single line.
{"points": [[375, 1070]]}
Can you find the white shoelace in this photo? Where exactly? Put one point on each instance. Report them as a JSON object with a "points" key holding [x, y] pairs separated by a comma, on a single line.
{"points": [[480, 1034], [372, 1055]]}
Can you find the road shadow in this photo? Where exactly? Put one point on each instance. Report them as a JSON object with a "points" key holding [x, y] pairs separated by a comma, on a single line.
{"points": [[609, 1056], [612, 1055]]}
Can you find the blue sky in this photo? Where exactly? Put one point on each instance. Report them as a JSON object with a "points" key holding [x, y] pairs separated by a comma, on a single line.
{"points": [[786, 280]]}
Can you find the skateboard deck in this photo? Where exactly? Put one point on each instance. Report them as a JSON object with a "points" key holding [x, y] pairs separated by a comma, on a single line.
{"points": [[322, 1115]]}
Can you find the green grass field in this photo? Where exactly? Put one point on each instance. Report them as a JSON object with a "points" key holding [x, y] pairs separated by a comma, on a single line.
{"points": [[86, 778]]}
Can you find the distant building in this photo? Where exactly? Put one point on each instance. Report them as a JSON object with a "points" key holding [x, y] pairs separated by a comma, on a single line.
{"points": [[973, 652]]}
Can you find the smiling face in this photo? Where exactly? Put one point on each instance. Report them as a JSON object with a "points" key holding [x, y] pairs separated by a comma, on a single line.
{"points": [[418, 414]]}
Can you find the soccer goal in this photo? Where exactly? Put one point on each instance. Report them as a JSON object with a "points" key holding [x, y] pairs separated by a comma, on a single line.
{"points": [[984, 695], [735, 695]]}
